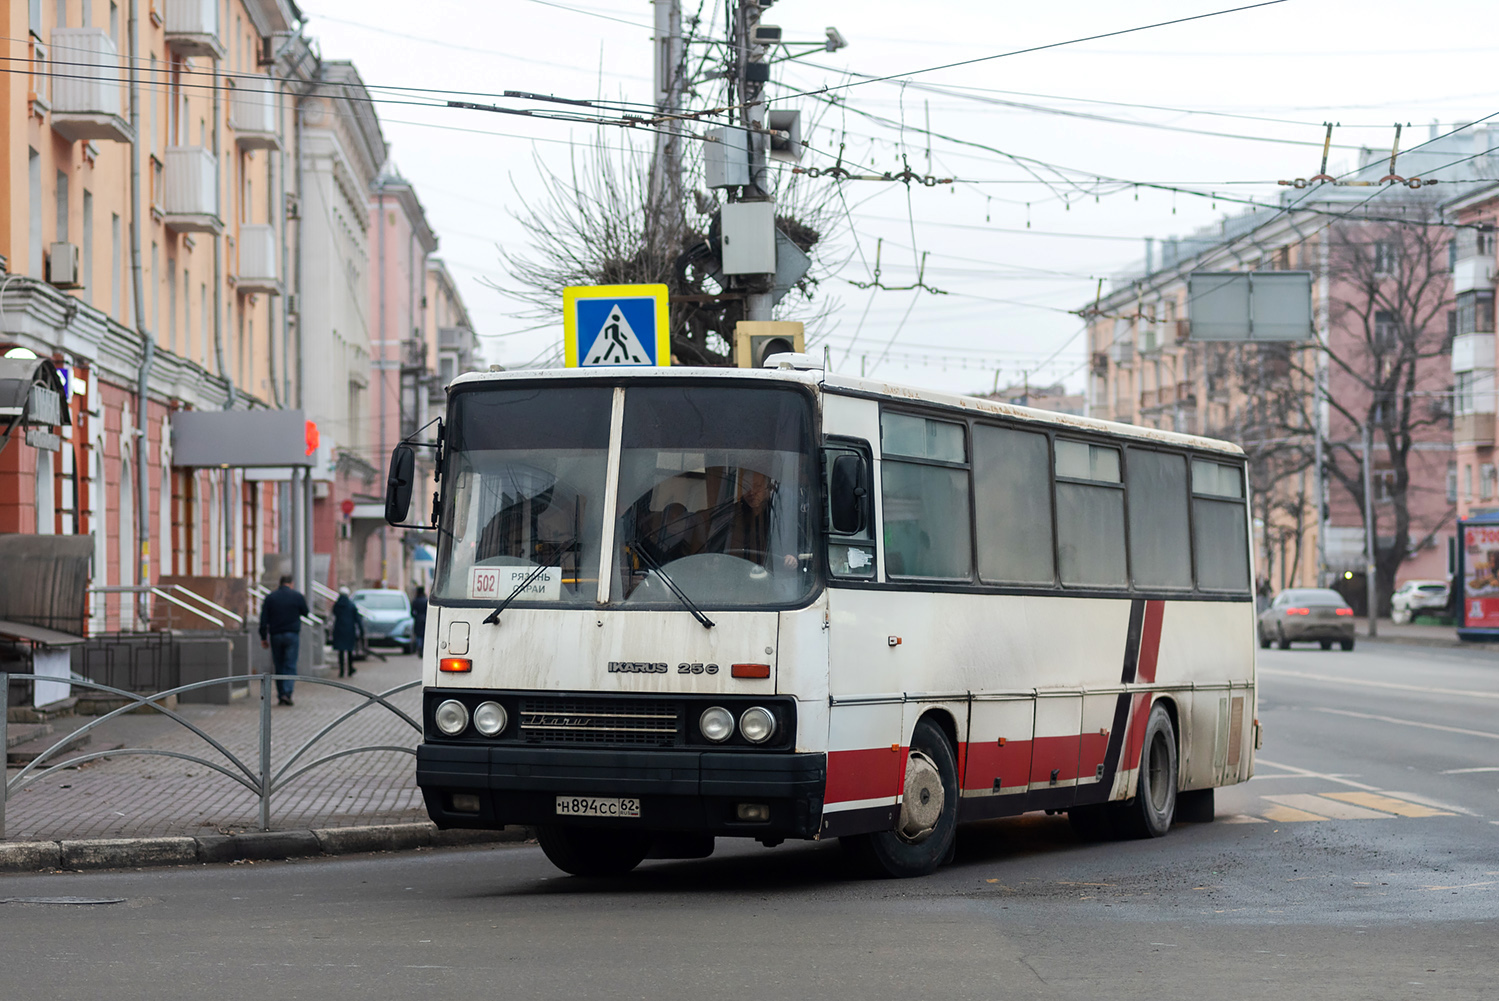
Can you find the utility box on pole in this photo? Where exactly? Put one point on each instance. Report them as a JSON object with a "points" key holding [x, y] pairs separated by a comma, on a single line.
{"points": [[756, 340], [748, 232]]}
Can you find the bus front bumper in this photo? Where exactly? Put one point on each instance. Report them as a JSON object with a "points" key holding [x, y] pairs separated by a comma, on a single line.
{"points": [[690, 791]]}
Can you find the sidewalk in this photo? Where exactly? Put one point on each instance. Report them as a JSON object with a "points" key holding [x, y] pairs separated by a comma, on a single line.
{"points": [[1416, 635], [140, 796]]}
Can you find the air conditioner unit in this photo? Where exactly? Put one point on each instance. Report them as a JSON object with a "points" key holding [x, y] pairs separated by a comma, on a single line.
{"points": [[62, 266]]}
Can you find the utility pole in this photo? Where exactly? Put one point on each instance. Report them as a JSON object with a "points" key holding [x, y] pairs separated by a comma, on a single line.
{"points": [[1371, 539], [753, 73], [666, 172]]}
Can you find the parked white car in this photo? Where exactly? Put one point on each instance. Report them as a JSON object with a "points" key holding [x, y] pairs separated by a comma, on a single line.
{"points": [[1416, 596]]}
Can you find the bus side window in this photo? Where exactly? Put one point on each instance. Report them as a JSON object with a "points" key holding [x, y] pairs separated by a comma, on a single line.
{"points": [[1219, 526], [1090, 515], [1160, 552], [924, 495], [1011, 478], [848, 511]]}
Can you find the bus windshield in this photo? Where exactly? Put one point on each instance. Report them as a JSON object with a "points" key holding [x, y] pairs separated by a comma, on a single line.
{"points": [[715, 486], [714, 491]]}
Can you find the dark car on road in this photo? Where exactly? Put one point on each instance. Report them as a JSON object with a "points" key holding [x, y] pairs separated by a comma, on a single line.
{"points": [[1307, 615]]}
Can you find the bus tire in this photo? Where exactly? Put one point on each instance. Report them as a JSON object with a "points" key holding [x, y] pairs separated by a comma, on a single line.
{"points": [[928, 822], [1150, 813], [586, 851]]}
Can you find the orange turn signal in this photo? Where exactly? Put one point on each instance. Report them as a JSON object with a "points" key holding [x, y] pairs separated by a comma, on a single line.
{"points": [[751, 670], [455, 665]]}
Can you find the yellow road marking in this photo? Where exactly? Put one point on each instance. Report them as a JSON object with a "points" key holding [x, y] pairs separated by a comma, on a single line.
{"points": [[1321, 806], [1388, 804], [1289, 815]]}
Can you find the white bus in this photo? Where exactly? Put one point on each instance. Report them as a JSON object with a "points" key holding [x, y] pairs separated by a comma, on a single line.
{"points": [[678, 604]]}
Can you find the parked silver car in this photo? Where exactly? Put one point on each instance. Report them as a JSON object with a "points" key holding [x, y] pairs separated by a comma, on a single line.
{"points": [[1316, 615], [387, 618], [1417, 596]]}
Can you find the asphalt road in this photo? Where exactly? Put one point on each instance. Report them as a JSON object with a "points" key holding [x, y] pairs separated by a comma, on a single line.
{"points": [[1390, 891]]}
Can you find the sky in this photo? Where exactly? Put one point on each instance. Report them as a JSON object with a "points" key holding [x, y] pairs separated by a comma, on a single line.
{"points": [[1091, 146]]}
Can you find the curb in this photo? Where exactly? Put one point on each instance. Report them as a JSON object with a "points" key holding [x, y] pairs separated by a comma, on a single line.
{"points": [[1438, 643], [250, 846]]}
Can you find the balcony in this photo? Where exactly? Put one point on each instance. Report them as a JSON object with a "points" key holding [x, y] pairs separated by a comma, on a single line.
{"points": [[190, 196], [192, 28], [257, 271], [253, 106], [1472, 351], [1471, 273], [87, 99]]}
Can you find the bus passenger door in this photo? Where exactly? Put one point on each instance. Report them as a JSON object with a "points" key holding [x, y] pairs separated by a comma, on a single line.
{"points": [[1054, 756], [998, 762]]}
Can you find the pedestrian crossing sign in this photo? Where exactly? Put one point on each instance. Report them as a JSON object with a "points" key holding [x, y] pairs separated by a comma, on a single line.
{"points": [[615, 325]]}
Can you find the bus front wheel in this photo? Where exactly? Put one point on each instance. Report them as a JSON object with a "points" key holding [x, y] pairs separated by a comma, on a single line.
{"points": [[928, 822], [592, 852], [1150, 813]]}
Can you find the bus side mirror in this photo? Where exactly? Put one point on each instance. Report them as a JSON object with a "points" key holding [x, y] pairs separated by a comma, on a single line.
{"points": [[398, 486], [847, 492]]}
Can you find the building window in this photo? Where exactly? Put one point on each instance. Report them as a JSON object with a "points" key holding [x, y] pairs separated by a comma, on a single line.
{"points": [[1475, 312], [34, 183], [1462, 393], [1486, 481], [1386, 331], [1451, 482], [1468, 481], [1386, 257], [1384, 486]]}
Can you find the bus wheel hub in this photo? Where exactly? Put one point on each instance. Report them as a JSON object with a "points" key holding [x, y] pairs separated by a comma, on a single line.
{"points": [[924, 798]]}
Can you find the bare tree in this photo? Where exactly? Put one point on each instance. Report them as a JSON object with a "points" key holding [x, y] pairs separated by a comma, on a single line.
{"points": [[598, 224], [1391, 296]]}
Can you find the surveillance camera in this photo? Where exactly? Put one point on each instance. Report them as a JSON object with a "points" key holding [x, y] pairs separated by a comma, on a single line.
{"points": [[836, 40], [765, 34]]}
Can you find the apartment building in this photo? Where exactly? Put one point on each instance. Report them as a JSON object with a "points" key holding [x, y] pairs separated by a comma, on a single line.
{"points": [[1474, 359], [241, 276], [1382, 295]]}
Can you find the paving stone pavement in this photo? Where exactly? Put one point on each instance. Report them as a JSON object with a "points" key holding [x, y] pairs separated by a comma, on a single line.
{"points": [[132, 796]]}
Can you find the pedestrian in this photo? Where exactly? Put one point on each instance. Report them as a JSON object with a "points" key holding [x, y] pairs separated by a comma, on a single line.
{"points": [[347, 623], [419, 619], [281, 630]]}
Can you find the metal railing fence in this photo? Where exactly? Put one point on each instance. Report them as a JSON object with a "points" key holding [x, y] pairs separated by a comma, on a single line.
{"points": [[261, 778]]}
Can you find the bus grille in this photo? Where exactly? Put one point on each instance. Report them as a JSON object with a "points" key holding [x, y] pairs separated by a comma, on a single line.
{"points": [[599, 721]]}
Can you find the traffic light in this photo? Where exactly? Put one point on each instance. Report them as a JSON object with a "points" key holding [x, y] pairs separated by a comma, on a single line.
{"points": [[756, 340]]}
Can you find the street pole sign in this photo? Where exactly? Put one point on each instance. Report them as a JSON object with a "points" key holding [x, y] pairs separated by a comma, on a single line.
{"points": [[615, 325]]}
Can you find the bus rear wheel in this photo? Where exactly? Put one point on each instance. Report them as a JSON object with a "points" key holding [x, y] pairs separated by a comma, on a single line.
{"points": [[928, 822], [593, 852], [1150, 813]]}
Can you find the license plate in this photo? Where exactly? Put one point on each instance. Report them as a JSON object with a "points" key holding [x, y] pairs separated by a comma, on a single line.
{"points": [[587, 806]]}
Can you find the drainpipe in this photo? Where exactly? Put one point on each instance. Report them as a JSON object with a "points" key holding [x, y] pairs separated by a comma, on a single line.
{"points": [[218, 267], [148, 340]]}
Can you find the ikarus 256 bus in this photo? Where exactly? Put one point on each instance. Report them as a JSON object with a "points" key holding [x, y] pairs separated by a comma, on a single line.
{"points": [[673, 605]]}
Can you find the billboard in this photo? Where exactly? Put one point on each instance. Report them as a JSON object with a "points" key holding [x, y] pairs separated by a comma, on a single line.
{"points": [[1480, 564], [1250, 305]]}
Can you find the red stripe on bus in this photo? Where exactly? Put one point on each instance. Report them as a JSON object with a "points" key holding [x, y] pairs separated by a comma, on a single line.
{"points": [[988, 761], [867, 773], [1150, 642], [1090, 753], [1138, 716]]}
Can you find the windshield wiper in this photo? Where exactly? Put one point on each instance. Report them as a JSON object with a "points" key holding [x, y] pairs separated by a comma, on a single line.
{"points": [[494, 616], [654, 566]]}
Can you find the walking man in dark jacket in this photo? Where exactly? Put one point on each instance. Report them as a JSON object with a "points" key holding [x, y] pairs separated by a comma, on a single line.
{"points": [[281, 629]]}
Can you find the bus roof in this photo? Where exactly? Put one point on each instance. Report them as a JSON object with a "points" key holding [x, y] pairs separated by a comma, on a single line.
{"points": [[875, 388]]}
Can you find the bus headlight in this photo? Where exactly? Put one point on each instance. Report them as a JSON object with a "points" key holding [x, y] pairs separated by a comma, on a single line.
{"points": [[451, 717], [717, 724], [490, 718], [757, 725]]}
